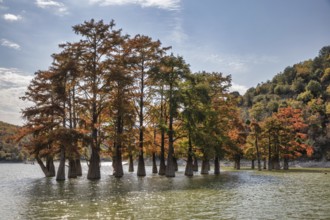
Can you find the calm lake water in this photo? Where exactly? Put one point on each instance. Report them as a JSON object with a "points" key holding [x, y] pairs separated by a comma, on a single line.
{"points": [[26, 194]]}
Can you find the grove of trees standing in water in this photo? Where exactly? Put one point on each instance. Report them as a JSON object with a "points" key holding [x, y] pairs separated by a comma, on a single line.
{"points": [[122, 97]]}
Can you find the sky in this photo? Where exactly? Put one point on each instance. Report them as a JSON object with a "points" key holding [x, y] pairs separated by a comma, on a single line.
{"points": [[250, 40]]}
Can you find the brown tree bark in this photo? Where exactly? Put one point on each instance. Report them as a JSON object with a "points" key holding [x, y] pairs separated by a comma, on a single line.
{"points": [[43, 167], [265, 164], [195, 164], [61, 168], [216, 166], [189, 171], [130, 164], [154, 164], [286, 163], [72, 172], [78, 167], [205, 166], [94, 172], [50, 166]]}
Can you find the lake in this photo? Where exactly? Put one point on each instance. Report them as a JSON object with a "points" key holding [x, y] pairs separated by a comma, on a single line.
{"points": [[245, 194]]}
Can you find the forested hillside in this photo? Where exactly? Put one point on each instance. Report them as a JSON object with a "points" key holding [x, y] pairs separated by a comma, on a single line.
{"points": [[9, 149], [304, 86]]}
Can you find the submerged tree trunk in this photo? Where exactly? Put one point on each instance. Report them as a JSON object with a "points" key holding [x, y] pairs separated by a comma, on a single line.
{"points": [[118, 165], [94, 172], [205, 165], [170, 168], [141, 171], [237, 162], [286, 163], [78, 167], [270, 162], [61, 168], [130, 164], [175, 162], [72, 172], [216, 166], [252, 164], [276, 162], [189, 171], [43, 167], [258, 152], [195, 164], [50, 166], [162, 166], [189, 166], [154, 164]]}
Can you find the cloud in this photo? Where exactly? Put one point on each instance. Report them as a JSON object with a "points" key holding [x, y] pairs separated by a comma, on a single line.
{"points": [[238, 63], [1, 6], [10, 44], [12, 17], [178, 34], [59, 7], [162, 4], [13, 84], [239, 88]]}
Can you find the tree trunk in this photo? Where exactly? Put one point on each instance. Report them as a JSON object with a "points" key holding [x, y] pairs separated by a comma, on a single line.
{"points": [[50, 166], [78, 167], [205, 165], [270, 162], [162, 166], [258, 153], [141, 170], [43, 167], [286, 163], [276, 163], [189, 166], [195, 164], [170, 168], [72, 172], [61, 168], [118, 162], [252, 164], [154, 164], [189, 171], [94, 172], [237, 162], [175, 162], [265, 164], [216, 166], [130, 164]]}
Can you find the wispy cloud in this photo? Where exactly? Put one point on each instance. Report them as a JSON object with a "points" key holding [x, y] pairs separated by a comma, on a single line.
{"points": [[1, 6], [12, 17], [10, 44], [178, 34], [59, 7], [239, 63], [13, 84], [162, 4]]}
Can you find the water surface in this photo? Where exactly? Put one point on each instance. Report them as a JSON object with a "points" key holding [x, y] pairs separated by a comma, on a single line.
{"points": [[26, 194]]}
